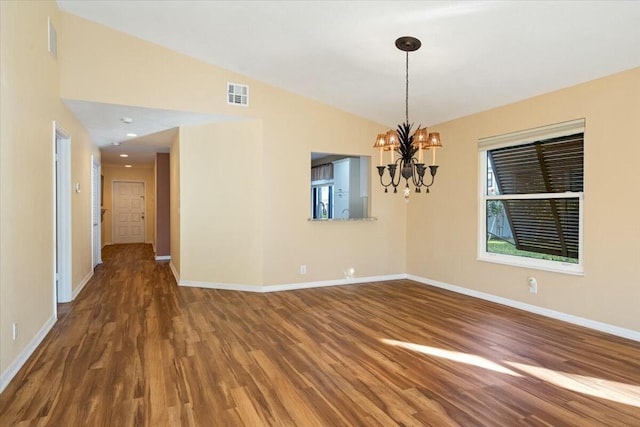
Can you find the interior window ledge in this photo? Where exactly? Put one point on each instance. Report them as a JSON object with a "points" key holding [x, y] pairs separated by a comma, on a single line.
{"points": [[367, 219], [570, 269]]}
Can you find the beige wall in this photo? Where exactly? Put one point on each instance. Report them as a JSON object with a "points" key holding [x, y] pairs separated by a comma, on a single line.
{"points": [[154, 77], [29, 103], [81, 163], [292, 127], [221, 203], [139, 174], [447, 221]]}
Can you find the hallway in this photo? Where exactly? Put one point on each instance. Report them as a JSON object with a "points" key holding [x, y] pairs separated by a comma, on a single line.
{"points": [[134, 349]]}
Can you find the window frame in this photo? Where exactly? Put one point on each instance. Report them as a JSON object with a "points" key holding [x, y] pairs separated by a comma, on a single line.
{"points": [[510, 140]]}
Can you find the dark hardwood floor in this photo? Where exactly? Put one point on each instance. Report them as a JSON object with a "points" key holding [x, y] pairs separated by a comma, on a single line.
{"points": [[134, 349]]}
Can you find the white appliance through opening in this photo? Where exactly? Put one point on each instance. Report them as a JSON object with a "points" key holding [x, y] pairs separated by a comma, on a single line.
{"points": [[128, 212]]}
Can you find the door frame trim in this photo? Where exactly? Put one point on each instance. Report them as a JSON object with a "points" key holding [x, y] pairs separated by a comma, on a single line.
{"points": [[61, 217], [113, 207], [96, 190]]}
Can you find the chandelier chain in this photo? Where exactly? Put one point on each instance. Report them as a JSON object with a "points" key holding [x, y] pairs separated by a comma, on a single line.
{"points": [[406, 98]]}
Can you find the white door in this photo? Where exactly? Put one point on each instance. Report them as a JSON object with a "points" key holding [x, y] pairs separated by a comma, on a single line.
{"points": [[128, 212]]}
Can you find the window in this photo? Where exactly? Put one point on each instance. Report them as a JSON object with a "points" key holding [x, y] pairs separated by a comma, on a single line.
{"points": [[322, 191], [322, 201], [531, 198]]}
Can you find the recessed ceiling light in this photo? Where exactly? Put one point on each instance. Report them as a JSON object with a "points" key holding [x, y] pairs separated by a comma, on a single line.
{"points": [[127, 166], [127, 120], [115, 143], [124, 155], [132, 135]]}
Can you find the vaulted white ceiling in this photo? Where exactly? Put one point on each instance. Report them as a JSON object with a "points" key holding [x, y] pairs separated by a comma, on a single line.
{"points": [[475, 55]]}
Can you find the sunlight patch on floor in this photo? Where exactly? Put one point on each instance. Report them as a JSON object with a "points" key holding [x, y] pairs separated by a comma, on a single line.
{"points": [[627, 394], [593, 386], [469, 359]]}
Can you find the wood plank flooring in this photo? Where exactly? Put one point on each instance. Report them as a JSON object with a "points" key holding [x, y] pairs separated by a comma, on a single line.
{"points": [[134, 349]]}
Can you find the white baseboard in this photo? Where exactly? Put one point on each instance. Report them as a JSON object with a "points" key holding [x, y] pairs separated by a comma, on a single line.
{"points": [[569, 318], [223, 286], [14, 367], [174, 272], [163, 257], [82, 284], [289, 286], [106, 244], [339, 282]]}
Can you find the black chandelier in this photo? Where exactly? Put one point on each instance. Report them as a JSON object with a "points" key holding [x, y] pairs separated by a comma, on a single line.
{"points": [[400, 141]]}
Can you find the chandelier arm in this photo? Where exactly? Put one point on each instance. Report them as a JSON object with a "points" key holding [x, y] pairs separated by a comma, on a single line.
{"points": [[381, 173], [393, 173], [430, 184], [433, 170], [398, 172], [415, 176], [422, 173]]}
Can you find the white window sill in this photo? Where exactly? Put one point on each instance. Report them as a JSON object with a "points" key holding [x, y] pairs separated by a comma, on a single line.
{"points": [[370, 218], [532, 263]]}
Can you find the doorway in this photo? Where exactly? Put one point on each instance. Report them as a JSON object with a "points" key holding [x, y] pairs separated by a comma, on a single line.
{"points": [[129, 204], [62, 216]]}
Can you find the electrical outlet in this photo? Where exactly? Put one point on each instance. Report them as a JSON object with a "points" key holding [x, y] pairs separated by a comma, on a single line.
{"points": [[303, 269], [533, 285], [14, 331]]}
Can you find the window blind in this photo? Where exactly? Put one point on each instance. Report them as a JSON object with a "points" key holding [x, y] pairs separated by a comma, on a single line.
{"points": [[547, 225]]}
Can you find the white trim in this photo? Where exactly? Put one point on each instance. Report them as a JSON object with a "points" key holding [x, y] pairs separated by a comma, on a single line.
{"points": [[531, 135], [289, 286], [175, 272], [22, 358], [52, 39], [54, 216], [339, 282], [163, 257], [514, 139], [62, 215], [82, 284], [532, 263], [537, 196], [569, 318], [96, 213], [222, 286]]}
